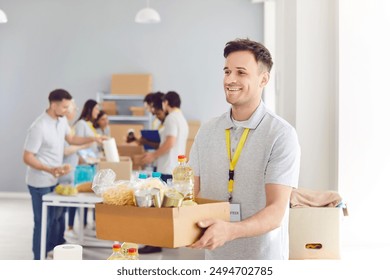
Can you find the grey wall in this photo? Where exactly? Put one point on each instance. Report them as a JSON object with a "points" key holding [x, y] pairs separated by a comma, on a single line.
{"points": [[78, 45]]}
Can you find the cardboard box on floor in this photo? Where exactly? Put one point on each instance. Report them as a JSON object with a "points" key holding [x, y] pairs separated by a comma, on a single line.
{"points": [[311, 227], [122, 169], [162, 227], [131, 84]]}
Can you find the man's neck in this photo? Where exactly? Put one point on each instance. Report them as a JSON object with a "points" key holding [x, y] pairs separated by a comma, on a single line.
{"points": [[243, 113], [172, 109], [51, 114]]}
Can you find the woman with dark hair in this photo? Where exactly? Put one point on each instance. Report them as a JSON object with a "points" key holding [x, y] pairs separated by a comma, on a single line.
{"points": [[89, 156], [101, 124], [84, 127], [149, 100]]}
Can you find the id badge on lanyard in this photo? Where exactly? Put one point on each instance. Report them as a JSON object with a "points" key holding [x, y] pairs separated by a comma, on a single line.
{"points": [[235, 208], [235, 212]]}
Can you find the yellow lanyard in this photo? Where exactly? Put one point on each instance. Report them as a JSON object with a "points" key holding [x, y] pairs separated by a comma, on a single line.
{"points": [[233, 161], [92, 128]]}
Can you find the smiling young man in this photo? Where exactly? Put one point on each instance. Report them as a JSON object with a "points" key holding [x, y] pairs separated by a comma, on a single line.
{"points": [[249, 157], [43, 154]]}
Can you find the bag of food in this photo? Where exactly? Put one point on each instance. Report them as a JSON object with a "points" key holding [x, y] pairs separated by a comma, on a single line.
{"points": [[113, 192], [103, 179]]}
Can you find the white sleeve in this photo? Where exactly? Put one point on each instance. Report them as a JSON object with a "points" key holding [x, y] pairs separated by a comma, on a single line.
{"points": [[34, 139]]}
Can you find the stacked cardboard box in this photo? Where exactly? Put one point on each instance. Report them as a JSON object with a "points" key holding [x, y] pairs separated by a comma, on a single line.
{"points": [[134, 151], [119, 131], [109, 107], [122, 169], [131, 84]]}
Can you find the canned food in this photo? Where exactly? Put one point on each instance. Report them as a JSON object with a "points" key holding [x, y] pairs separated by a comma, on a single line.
{"points": [[143, 198], [156, 197], [172, 199]]}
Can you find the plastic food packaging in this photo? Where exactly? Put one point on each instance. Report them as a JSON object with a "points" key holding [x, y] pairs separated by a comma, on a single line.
{"points": [[113, 192], [103, 179]]}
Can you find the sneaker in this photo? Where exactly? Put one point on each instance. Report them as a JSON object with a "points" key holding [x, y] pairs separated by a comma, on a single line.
{"points": [[149, 250], [70, 235]]}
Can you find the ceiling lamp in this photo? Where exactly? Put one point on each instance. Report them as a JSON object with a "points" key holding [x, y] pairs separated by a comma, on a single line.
{"points": [[3, 17], [147, 15]]}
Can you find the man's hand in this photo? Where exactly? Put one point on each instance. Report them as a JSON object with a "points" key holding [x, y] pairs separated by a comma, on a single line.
{"points": [[140, 141], [60, 171], [99, 139], [56, 171], [217, 233], [148, 158], [30, 159]]}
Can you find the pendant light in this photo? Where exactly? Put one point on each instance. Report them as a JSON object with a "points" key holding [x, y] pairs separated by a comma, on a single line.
{"points": [[3, 17], [147, 15]]}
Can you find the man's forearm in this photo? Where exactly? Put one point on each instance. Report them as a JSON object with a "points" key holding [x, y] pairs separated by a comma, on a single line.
{"points": [[77, 140], [33, 162], [258, 224]]}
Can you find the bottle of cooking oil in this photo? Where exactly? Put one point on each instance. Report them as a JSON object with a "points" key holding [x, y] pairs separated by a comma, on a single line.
{"points": [[132, 254], [183, 178], [116, 253], [128, 245]]}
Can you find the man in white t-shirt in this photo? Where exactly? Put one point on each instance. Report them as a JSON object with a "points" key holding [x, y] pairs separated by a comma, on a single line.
{"points": [[43, 155], [173, 138]]}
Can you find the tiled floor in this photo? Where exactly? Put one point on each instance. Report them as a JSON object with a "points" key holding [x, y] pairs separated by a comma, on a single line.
{"points": [[16, 227]]}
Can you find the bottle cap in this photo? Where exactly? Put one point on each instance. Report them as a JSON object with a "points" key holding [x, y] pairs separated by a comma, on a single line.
{"points": [[116, 246], [156, 174], [181, 157], [132, 250], [142, 176]]}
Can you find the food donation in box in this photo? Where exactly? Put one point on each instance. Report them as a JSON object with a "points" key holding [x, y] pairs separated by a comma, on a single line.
{"points": [[147, 211]]}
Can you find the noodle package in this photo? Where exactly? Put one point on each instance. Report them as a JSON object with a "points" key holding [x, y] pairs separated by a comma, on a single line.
{"points": [[113, 192]]}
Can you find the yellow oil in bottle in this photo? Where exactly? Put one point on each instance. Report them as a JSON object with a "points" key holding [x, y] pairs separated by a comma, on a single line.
{"points": [[116, 253], [183, 178]]}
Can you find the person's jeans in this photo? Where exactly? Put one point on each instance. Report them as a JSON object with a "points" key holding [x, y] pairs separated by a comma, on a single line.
{"points": [[72, 214], [55, 222]]}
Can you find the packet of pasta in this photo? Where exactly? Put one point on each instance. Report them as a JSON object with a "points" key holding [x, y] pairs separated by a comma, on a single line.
{"points": [[113, 192], [120, 193]]}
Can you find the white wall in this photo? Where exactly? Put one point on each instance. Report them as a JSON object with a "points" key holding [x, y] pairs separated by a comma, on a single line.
{"points": [[307, 84], [78, 45], [364, 115], [333, 86]]}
